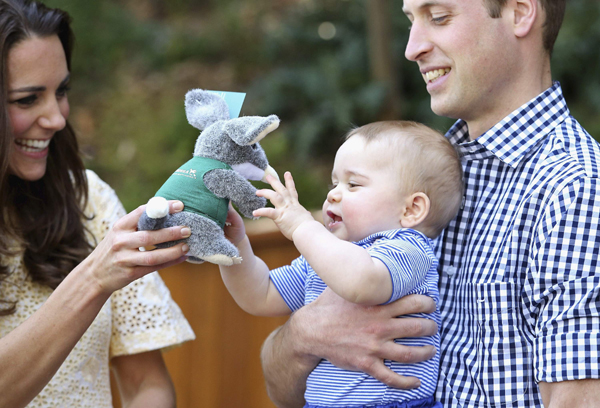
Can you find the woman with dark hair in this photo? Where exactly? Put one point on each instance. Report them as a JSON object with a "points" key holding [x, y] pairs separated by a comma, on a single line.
{"points": [[67, 248]]}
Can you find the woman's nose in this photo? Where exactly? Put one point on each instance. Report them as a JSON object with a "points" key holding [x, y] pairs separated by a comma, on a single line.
{"points": [[53, 116]]}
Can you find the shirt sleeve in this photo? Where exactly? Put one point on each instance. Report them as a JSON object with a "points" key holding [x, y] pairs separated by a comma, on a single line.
{"points": [[407, 263], [290, 281], [145, 318], [563, 292]]}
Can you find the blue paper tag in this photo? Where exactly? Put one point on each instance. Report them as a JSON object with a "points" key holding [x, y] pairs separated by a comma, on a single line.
{"points": [[234, 101]]}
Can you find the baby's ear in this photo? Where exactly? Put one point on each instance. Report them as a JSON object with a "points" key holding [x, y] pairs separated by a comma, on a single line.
{"points": [[416, 210]]}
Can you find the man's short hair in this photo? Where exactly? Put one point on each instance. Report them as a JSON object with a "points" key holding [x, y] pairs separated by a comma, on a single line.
{"points": [[555, 12]]}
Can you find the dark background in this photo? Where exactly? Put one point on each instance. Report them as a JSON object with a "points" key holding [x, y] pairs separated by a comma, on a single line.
{"points": [[321, 65]]}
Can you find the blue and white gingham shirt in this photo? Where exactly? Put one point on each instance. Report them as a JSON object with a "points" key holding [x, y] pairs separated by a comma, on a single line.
{"points": [[519, 283], [410, 258]]}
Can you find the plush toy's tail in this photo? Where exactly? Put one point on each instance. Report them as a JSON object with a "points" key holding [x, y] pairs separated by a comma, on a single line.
{"points": [[156, 213]]}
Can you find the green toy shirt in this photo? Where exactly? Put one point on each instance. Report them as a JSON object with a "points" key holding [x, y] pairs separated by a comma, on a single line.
{"points": [[187, 185]]}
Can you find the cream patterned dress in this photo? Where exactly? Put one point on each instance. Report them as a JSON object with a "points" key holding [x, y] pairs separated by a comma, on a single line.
{"points": [[140, 317]]}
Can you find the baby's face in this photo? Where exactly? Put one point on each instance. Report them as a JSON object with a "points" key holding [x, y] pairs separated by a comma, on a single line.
{"points": [[366, 196]]}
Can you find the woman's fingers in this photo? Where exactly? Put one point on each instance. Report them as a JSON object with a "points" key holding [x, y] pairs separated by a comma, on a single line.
{"points": [[158, 258], [129, 221], [134, 240]]}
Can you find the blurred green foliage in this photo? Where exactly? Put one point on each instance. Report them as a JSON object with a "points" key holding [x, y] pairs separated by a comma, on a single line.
{"points": [[135, 59]]}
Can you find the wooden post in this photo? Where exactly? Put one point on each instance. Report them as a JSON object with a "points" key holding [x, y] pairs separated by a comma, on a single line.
{"points": [[381, 59]]}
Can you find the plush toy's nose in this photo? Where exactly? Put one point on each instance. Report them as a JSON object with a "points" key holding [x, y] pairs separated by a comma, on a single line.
{"points": [[269, 171]]}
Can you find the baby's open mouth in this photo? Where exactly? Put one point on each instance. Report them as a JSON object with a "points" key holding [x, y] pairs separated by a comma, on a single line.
{"points": [[334, 218]]}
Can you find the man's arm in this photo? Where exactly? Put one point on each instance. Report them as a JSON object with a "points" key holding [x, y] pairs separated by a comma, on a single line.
{"points": [[350, 336], [571, 394]]}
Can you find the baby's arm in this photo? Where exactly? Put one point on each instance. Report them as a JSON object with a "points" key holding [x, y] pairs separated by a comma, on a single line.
{"points": [[249, 282], [346, 268]]}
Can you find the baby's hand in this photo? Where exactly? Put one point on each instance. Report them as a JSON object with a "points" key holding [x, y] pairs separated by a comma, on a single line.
{"points": [[235, 231], [288, 213]]}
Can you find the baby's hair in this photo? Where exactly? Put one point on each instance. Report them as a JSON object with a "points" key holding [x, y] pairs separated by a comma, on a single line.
{"points": [[428, 164]]}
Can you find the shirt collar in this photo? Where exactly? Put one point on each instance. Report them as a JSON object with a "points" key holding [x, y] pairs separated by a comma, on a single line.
{"points": [[510, 139]]}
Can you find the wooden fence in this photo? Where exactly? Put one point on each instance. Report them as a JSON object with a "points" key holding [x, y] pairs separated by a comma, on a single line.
{"points": [[221, 368]]}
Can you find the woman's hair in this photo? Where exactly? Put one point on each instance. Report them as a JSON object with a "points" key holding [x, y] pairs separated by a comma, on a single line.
{"points": [[44, 216], [426, 162]]}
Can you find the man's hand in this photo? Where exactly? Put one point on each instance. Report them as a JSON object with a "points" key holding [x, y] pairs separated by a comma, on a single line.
{"points": [[359, 338], [288, 213], [350, 336]]}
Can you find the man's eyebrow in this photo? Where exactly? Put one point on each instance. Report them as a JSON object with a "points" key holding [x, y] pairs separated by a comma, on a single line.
{"points": [[426, 5], [39, 88]]}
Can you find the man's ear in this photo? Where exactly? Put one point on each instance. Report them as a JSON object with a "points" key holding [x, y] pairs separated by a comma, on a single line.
{"points": [[416, 210], [524, 14]]}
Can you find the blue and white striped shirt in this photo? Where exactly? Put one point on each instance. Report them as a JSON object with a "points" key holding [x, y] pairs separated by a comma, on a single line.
{"points": [[519, 283], [409, 257]]}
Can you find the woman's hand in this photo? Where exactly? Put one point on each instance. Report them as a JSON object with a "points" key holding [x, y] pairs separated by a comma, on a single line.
{"points": [[117, 260]]}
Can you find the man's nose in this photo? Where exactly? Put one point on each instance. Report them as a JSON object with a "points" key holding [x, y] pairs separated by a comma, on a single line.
{"points": [[418, 43]]}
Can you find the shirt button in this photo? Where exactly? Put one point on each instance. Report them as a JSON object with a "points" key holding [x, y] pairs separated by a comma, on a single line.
{"points": [[450, 270]]}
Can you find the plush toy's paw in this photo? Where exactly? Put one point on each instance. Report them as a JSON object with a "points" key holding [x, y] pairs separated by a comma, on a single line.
{"points": [[225, 260], [250, 205], [194, 260], [157, 207]]}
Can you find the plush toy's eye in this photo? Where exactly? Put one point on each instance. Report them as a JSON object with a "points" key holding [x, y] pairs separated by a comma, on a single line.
{"points": [[254, 146]]}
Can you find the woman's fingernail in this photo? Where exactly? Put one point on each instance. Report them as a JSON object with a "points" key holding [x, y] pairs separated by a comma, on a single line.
{"points": [[186, 232], [177, 206], [185, 248]]}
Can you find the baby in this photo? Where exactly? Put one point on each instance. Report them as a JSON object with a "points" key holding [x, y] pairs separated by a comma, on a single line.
{"points": [[396, 186]]}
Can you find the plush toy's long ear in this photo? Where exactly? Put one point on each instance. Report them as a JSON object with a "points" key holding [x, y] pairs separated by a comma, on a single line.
{"points": [[204, 108], [248, 130]]}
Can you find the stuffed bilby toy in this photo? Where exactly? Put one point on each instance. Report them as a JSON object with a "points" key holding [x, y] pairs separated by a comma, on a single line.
{"points": [[226, 156]]}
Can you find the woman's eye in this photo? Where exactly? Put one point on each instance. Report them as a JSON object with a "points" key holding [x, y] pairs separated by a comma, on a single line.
{"points": [[28, 100], [62, 91]]}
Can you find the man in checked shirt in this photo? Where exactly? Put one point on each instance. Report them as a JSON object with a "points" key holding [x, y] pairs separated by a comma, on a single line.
{"points": [[520, 296]]}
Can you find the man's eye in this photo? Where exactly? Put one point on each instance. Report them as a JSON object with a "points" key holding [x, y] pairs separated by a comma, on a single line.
{"points": [[439, 20]]}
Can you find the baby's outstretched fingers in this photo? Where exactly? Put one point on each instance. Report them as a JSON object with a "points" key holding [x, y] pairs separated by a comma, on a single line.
{"points": [[290, 185], [274, 197], [266, 212]]}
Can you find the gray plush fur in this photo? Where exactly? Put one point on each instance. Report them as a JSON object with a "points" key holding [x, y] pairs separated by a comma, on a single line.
{"points": [[232, 141]]}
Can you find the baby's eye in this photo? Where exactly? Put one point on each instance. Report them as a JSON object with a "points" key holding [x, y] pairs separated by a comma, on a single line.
{"points": [[332, 186], [352, 184]]}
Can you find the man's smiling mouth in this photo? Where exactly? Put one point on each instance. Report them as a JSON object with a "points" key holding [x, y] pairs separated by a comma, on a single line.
{"points": [[434, 74]]}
